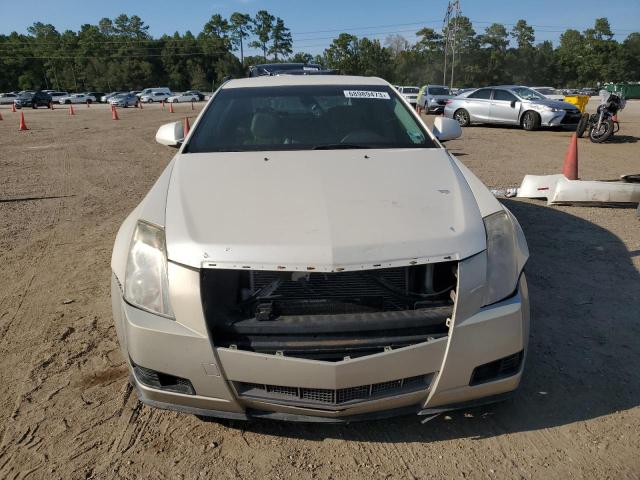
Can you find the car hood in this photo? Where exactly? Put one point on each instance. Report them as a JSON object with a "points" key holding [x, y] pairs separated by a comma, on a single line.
{"points": [[549, 102], [322, 210]]}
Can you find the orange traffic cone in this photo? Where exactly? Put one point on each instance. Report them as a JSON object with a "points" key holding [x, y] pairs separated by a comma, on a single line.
{"points": [[13, 107], [186, 126], [114, 113], [23, 125], [171, 107], [570, 167], [71, 110]]}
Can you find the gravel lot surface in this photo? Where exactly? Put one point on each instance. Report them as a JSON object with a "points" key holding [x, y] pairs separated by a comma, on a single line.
{"points": [[67, 411]]}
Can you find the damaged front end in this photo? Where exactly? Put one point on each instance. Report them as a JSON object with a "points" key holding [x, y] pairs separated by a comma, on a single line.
{"points": [[328, 316]]}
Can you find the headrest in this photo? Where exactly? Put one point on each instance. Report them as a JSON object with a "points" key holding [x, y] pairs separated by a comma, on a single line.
{"points": [[264, 125]]}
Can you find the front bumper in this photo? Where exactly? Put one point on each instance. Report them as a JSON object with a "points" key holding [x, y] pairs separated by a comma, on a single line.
{"points": [[435, 108], [182, 349], [559, 119]]}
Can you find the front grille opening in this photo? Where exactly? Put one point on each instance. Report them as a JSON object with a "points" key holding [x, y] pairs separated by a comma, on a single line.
{"points": [[328, 316], [327, 397], [498, 369], [163, 381]]}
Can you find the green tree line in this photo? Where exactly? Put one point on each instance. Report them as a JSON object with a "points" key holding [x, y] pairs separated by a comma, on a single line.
{"points": [[495, 56], [121, 54]]}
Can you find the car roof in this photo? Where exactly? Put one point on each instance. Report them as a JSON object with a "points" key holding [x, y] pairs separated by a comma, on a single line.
{"points": [[299, 80]]}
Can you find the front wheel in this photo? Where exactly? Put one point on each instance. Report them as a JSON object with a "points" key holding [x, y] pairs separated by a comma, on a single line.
{"points": [[582, 125], [602, 133], [462, 117], [531, 121]]}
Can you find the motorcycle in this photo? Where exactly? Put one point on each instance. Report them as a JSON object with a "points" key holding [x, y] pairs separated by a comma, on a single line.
{"points": [[602, 124]]}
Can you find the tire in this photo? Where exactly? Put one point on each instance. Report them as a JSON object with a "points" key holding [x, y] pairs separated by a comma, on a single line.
{"points": [[461, 116], [582, 125], [150, 100], [530, 121], [89, 101], [67, 102], [34, 105], [604, 133]]}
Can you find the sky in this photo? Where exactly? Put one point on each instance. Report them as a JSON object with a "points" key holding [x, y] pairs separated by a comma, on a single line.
{"points": [[315, 23]]}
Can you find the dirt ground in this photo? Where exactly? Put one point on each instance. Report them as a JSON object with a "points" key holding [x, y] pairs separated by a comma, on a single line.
{"points": [[67, 411]]}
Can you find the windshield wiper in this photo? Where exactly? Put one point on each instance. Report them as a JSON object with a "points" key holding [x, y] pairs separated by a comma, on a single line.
{"points": [[338, 146]]}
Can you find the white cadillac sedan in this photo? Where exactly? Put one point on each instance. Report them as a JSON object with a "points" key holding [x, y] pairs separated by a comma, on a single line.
{"points": [[314, 253]]}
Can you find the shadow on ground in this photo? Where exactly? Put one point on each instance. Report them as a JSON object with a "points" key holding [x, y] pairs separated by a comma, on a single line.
{"points": [[622, 139], [583, 353]]}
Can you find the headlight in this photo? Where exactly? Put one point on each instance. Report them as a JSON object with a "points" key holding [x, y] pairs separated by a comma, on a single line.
{"points": [[502, 257], [146, 284], [545, 108]]}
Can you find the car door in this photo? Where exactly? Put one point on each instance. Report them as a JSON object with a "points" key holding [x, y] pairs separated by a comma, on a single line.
{"points": [[478, 105], [504, 107]]}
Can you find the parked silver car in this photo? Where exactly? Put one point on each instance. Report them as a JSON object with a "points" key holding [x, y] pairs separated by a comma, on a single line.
{"points": [[7, 98], [511, 104], [433, 98], [124, 100]]}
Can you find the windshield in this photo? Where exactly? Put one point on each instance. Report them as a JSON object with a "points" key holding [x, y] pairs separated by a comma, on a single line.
{"points": [[548, 91], [439, 91], [306, 118], [410, 89], [527, 93]]}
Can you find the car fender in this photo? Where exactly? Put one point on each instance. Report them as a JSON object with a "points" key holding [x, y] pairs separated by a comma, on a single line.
{"points": [[152, 209]]}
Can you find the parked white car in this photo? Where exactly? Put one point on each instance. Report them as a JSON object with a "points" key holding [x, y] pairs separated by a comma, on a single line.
{"points": [[76, 98], [313, 252], [410, 93], [155, 97], [7, 98], [549, 92], [183, 97]]}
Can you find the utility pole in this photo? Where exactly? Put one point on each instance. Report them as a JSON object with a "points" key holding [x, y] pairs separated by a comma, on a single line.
{"points": [[445, 28], [450, 25]]}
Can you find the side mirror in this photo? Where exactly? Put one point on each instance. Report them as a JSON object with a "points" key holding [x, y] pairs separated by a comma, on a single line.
{"points": [[446, 129], [170, 134], [513, 104]]}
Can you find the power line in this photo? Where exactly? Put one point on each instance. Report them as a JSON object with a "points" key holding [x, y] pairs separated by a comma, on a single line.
{"points": [[426, 22], [169, 38]]}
